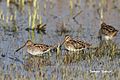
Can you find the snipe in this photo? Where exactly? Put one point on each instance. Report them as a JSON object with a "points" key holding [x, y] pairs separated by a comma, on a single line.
{"points": [[74, 45], [107, 32], [36, 49]]}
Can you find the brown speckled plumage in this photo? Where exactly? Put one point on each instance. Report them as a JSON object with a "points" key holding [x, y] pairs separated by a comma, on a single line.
{"points": [[36, 49], [74, 45], [107, 31]]}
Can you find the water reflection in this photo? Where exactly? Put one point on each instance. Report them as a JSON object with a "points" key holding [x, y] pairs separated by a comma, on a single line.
{"points": [[72, 57], [34, 63]]}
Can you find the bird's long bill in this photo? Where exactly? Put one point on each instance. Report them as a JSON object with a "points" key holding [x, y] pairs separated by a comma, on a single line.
{"points": [[115, 32], [58, 45], [20, 48], [62, 43]]}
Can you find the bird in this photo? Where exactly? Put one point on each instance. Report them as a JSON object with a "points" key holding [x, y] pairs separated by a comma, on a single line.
{"points": [[74, 45], [107, 32], [36, 49]]}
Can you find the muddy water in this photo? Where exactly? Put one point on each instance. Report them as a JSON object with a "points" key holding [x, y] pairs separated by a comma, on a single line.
{"points": [[58, 16]]}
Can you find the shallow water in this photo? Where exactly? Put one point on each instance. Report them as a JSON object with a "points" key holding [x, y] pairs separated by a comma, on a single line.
{"points": [[57, 15]]}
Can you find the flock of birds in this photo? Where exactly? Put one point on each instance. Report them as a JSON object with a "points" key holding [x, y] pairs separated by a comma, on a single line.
{"points": [[106, 32]]}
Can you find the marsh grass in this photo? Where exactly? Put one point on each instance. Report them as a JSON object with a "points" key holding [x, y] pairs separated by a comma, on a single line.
{"points": [[8, 22], [8, 1], [101, 4], [34, 17], [68, 65], [40, 61], [68, 69], [71, 7], [106, 48]]}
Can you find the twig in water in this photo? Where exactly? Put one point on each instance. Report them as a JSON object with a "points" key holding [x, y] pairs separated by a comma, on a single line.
{"points": [[76, 16]]}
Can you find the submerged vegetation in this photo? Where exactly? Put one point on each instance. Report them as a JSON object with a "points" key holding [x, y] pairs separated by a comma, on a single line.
{"points": [[48, 21]]}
